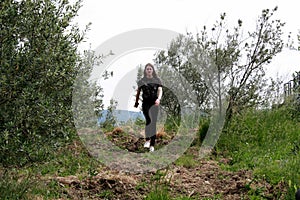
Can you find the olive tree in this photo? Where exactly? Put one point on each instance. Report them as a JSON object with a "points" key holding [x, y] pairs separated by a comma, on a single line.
{"points": [[223, 61], [38, 59]]}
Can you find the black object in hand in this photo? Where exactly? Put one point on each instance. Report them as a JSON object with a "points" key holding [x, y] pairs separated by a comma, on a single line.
{"points": [[136, 104], [298, 194]]}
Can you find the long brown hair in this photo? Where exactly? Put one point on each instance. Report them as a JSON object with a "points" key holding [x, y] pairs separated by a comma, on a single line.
{"points": [[154, 72]]}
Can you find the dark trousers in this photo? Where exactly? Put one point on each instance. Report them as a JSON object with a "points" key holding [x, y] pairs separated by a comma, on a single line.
{"points": [[150, 112]]}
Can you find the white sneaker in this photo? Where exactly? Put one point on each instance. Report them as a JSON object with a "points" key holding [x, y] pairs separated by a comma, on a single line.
{"points": [[151, 148], [147, 144]]}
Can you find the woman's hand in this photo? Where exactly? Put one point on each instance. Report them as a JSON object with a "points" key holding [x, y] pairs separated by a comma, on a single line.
{"points": [[157, 102]]}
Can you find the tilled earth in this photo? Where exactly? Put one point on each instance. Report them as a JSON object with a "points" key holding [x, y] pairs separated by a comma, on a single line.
{"points": [[204, 180]]}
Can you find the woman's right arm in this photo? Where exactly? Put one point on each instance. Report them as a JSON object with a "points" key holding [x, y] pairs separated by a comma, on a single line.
{"points": [[137, 97]]}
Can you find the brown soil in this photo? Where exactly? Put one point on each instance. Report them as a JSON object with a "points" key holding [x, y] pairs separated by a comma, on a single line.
{"points": [[204, 180]]}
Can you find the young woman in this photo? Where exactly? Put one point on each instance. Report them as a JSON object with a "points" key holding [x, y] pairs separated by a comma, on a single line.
{"points": [[151, 88]]}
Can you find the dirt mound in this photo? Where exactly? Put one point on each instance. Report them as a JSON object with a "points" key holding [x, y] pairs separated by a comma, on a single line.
{"points": [[203, 180], [129, 140], [106, 184]]}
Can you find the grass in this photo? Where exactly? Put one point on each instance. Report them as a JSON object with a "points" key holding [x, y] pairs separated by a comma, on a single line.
{"points": [[186, 160], [158, 194], [160, 188], [266, 142], [37, 179], [12, 187]]}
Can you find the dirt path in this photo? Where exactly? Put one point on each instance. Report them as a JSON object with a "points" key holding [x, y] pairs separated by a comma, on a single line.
{"points": [[203, 180]]}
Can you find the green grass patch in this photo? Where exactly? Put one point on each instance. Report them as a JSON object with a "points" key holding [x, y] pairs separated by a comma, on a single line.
{"points": [[266, 142], [38, 179], [158, 194], [13, 187], [186, 160]]}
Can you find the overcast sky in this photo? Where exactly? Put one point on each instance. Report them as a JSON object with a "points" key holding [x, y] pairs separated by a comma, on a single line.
{"points": [[112, 17]]}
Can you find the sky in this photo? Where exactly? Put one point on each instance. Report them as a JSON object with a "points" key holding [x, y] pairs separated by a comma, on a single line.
{"points": [[113, 17]]}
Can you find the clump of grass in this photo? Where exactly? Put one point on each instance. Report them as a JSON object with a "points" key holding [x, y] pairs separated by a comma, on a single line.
{"points": [[13, 187], [26, 182], [158, 194], [159, 186], [264, 141], [186, 160]]}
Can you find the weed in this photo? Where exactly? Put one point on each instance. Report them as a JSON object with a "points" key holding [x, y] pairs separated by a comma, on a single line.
{"points": [[186, 160]]}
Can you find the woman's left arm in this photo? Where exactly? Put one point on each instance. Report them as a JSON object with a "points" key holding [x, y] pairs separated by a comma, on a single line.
{"points": [[159, 95]]}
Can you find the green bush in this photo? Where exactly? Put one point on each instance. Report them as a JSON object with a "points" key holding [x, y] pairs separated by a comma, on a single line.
{"points": [[172, 124], [38, 65], [203, 128]]}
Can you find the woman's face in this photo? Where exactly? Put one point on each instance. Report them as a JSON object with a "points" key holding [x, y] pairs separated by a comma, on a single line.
{"points": [[149, 71]]}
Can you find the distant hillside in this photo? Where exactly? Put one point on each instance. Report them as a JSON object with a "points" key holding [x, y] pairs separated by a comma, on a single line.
{"points": [[122, 115]]}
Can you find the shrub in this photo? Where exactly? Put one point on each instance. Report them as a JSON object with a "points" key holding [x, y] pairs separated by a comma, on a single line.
{"points": [[38, 66]]}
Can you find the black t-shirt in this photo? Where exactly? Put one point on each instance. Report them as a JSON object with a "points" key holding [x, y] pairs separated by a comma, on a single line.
{"points": [[149, 87]]}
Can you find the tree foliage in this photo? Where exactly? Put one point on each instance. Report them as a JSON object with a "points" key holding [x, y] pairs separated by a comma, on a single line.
{"points": [[87, 95], [222, 61], [38, 56], [110, 118]]}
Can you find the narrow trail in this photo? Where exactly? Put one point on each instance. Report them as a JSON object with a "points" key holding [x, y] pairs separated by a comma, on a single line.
{"points": [[205, 179]]}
